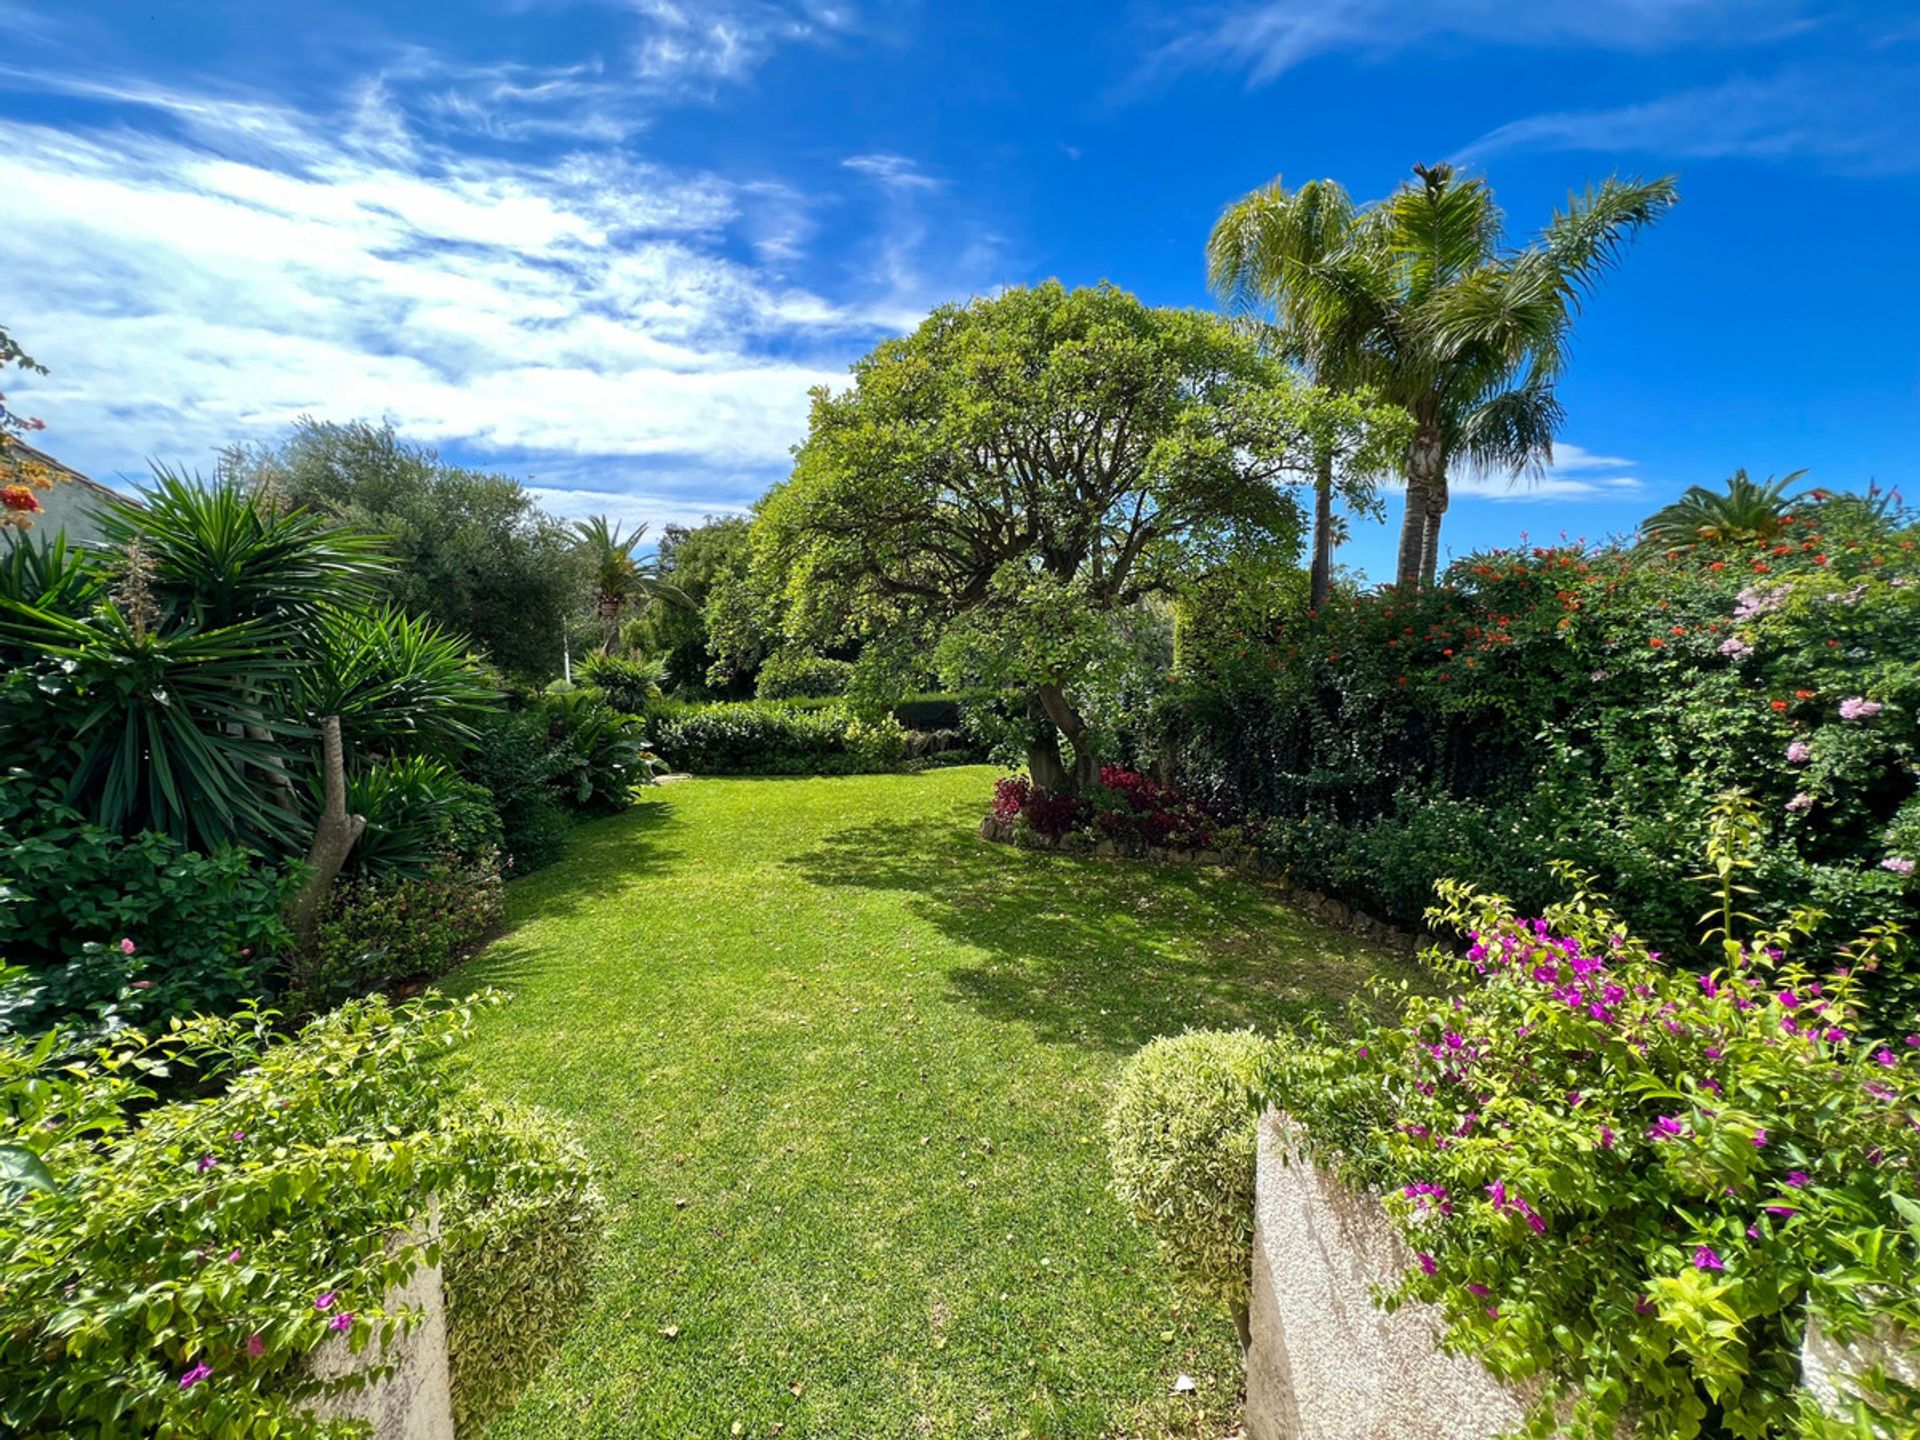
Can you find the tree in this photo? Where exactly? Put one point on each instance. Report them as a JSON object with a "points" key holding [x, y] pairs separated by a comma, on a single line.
{"points": [[473, 551], [1255, 247], [620, 576], [698, 561], [1420, 295], [21, 478], [997, 487], [1744, 512]]}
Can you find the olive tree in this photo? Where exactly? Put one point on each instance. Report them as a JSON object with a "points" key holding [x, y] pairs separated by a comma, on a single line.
{"points": [[994, 490]]}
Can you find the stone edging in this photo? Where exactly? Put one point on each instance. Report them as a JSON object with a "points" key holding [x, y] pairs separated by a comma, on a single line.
{"points": [[1324, 908]]}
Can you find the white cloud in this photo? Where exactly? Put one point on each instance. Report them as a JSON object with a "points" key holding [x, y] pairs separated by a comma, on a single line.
{"points": [[1576, 474], [253, 264], [1268, 38], [895, 172], [1854, 119]]}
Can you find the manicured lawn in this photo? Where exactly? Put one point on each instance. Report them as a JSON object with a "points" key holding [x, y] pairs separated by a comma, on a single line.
{"points": [[842, 1066]]}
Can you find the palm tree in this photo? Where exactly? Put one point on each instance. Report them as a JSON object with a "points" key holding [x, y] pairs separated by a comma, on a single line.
{"points": [[1744, 512], [1255, 246], [1418, 297], [621, 578]]}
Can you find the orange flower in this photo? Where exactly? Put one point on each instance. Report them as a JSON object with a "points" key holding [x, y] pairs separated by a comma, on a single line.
{"points": [[1803, 694], [1779, 705], [1657, 643], [19, 497]]}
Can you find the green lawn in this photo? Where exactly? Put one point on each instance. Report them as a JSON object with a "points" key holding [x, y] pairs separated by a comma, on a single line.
{"points": [[842, 1067]]}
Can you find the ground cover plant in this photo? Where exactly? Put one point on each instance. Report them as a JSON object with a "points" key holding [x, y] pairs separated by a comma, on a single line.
{"points": [[841, 1067]]}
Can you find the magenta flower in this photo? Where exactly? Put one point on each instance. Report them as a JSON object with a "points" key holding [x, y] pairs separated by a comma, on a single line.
{"points": [[1667, 1127], [325, 1302], [233, 1255], [1780, 1212], [256, 1347], [1426, 1262], [207, 1162], [1799, 753], [342, 1321], [1705, 1259], [194, 1376], [1477, 1290], [1797, 1178], [1759, 1139], [126, 947], [1498, 1190], [1606, 1138], [1789, 999]]}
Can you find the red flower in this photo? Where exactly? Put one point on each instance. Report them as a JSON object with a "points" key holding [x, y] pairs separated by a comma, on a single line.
{"points": [[1657, 643], [19, 497], [1803, 694], [1779, 704]]}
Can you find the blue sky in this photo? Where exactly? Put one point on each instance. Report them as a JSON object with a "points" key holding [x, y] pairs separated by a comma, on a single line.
{"points": [[608, 244]]}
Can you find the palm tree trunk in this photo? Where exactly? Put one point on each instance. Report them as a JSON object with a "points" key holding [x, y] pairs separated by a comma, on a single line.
{"points": [[1437, 500], [1320, 576], [1426, 464]]}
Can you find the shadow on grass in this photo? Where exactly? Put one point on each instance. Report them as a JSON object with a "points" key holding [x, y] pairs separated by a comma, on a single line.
{"points": [[1102, 953]]}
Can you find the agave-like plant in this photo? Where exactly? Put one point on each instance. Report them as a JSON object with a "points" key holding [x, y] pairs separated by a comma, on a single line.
{"points": [[622, 577], [49, 574], [1744, 512]]}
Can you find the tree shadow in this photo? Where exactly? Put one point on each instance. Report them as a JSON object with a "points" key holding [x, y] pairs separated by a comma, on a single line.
{"points": [[1103, 953]]}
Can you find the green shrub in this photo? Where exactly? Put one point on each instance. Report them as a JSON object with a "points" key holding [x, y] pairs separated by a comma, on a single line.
{"points": [[114, 931], [790, 675], [165, 1268], [627, 685], [1630, 1183], [381, 928], [417, 810], [1181, 1133], [595, 755], [774, 739], [516, 1256]]}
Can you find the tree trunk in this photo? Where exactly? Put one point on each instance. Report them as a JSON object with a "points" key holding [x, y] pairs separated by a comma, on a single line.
{"points": [[1044, 766], [1426, 461], [333, 838], [1069, 722], [1320, 576], [1437, 500]]}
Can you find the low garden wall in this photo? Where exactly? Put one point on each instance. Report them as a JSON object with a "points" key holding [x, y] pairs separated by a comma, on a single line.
{"points": [[1324, 908], [1326, 1364]]}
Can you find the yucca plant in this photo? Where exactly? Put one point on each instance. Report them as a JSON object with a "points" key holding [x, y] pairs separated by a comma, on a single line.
{"points": [[400, 684], [50, 575], [418, 811]]}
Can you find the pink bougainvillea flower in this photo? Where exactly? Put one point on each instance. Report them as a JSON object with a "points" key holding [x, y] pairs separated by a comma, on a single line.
{"points": [[1476, 1289], [1884, 1056], [325, 1301], [1426, 1262], [1667, 1127], [195, 1375], [1606, 1138], [1780, 1212], [1789, 999], [233, 1255], [1705, 1258], [256, 1347], [342, 1321], [1797, 1178], [1759, 1139], [207, 1162]]}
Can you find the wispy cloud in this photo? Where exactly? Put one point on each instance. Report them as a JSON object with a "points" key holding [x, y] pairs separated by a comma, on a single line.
{"points": [[1576, 474], [1266, 39], [208, 281], [896, 172], [1858, 120]]}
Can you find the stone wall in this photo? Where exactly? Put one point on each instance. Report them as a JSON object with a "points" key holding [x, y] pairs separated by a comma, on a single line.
{"points": [[1325, 1362], [415, 1402], [1324, 908]]}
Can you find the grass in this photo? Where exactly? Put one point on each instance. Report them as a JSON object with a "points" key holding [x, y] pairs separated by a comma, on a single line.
{"points": [[842, 1068]]}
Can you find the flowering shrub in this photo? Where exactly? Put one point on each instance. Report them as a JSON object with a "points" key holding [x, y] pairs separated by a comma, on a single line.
{"points": [[165, 1269], [1127, 808], [1628, 1181], [380, 929], [111, 931], [1589, 703]]}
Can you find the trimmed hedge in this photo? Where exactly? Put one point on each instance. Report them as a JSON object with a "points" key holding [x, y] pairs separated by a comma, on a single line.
{"points": [[773, 739], [516, 1257]]}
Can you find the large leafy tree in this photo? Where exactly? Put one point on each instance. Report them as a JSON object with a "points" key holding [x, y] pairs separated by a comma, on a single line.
{"points": [[699, 561], [472, 551], [1742, 512], [994, 489], [1420, 297]]}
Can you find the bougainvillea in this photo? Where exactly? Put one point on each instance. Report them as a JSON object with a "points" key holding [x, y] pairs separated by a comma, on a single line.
{"points": [[22, 478], [1626, 1180]]}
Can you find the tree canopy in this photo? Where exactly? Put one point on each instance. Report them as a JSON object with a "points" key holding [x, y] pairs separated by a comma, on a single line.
{"points": [[473, 551], [993, 488]]}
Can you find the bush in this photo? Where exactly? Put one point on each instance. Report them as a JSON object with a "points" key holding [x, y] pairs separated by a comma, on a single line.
{"points": [[166, 1268], [1181, 1133], [516, 1256], [114, 931], [788, 675], [1588, 703], [1631, 1183], [509, 761], [627, 685], [772, 739], [417, 811], [379, 929]]}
